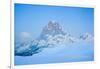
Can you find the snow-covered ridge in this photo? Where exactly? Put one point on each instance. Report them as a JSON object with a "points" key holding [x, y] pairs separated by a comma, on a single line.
{"points": [[51, 36]]}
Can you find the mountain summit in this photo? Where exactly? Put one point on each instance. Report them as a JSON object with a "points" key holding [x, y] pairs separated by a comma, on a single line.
{"points": [[52, 28]]}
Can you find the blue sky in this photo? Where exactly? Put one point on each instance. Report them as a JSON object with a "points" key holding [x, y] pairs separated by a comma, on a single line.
{"points": [[32, 18]]}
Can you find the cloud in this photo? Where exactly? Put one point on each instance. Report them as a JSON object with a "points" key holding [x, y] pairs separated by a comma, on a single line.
{"points": [[24, 36]]}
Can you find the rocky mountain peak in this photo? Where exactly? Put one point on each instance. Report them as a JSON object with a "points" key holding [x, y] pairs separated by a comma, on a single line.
{"points": [[52, 28]]}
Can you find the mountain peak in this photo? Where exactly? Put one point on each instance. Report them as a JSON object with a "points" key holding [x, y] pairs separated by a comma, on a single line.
{"points": [[52, 25], [86, 36], [52, 28]]}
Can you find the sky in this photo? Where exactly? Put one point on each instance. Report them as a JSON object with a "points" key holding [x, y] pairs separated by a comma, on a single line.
{"points": [[30, 19]]}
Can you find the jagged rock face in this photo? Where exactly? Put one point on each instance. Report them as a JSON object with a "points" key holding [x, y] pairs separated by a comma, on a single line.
{"points": [[53, 28]]}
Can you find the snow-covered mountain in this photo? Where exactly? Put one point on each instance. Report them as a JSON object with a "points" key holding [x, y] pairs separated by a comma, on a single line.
{"points": [[51, 36], [87, 37], [52, 28]]}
